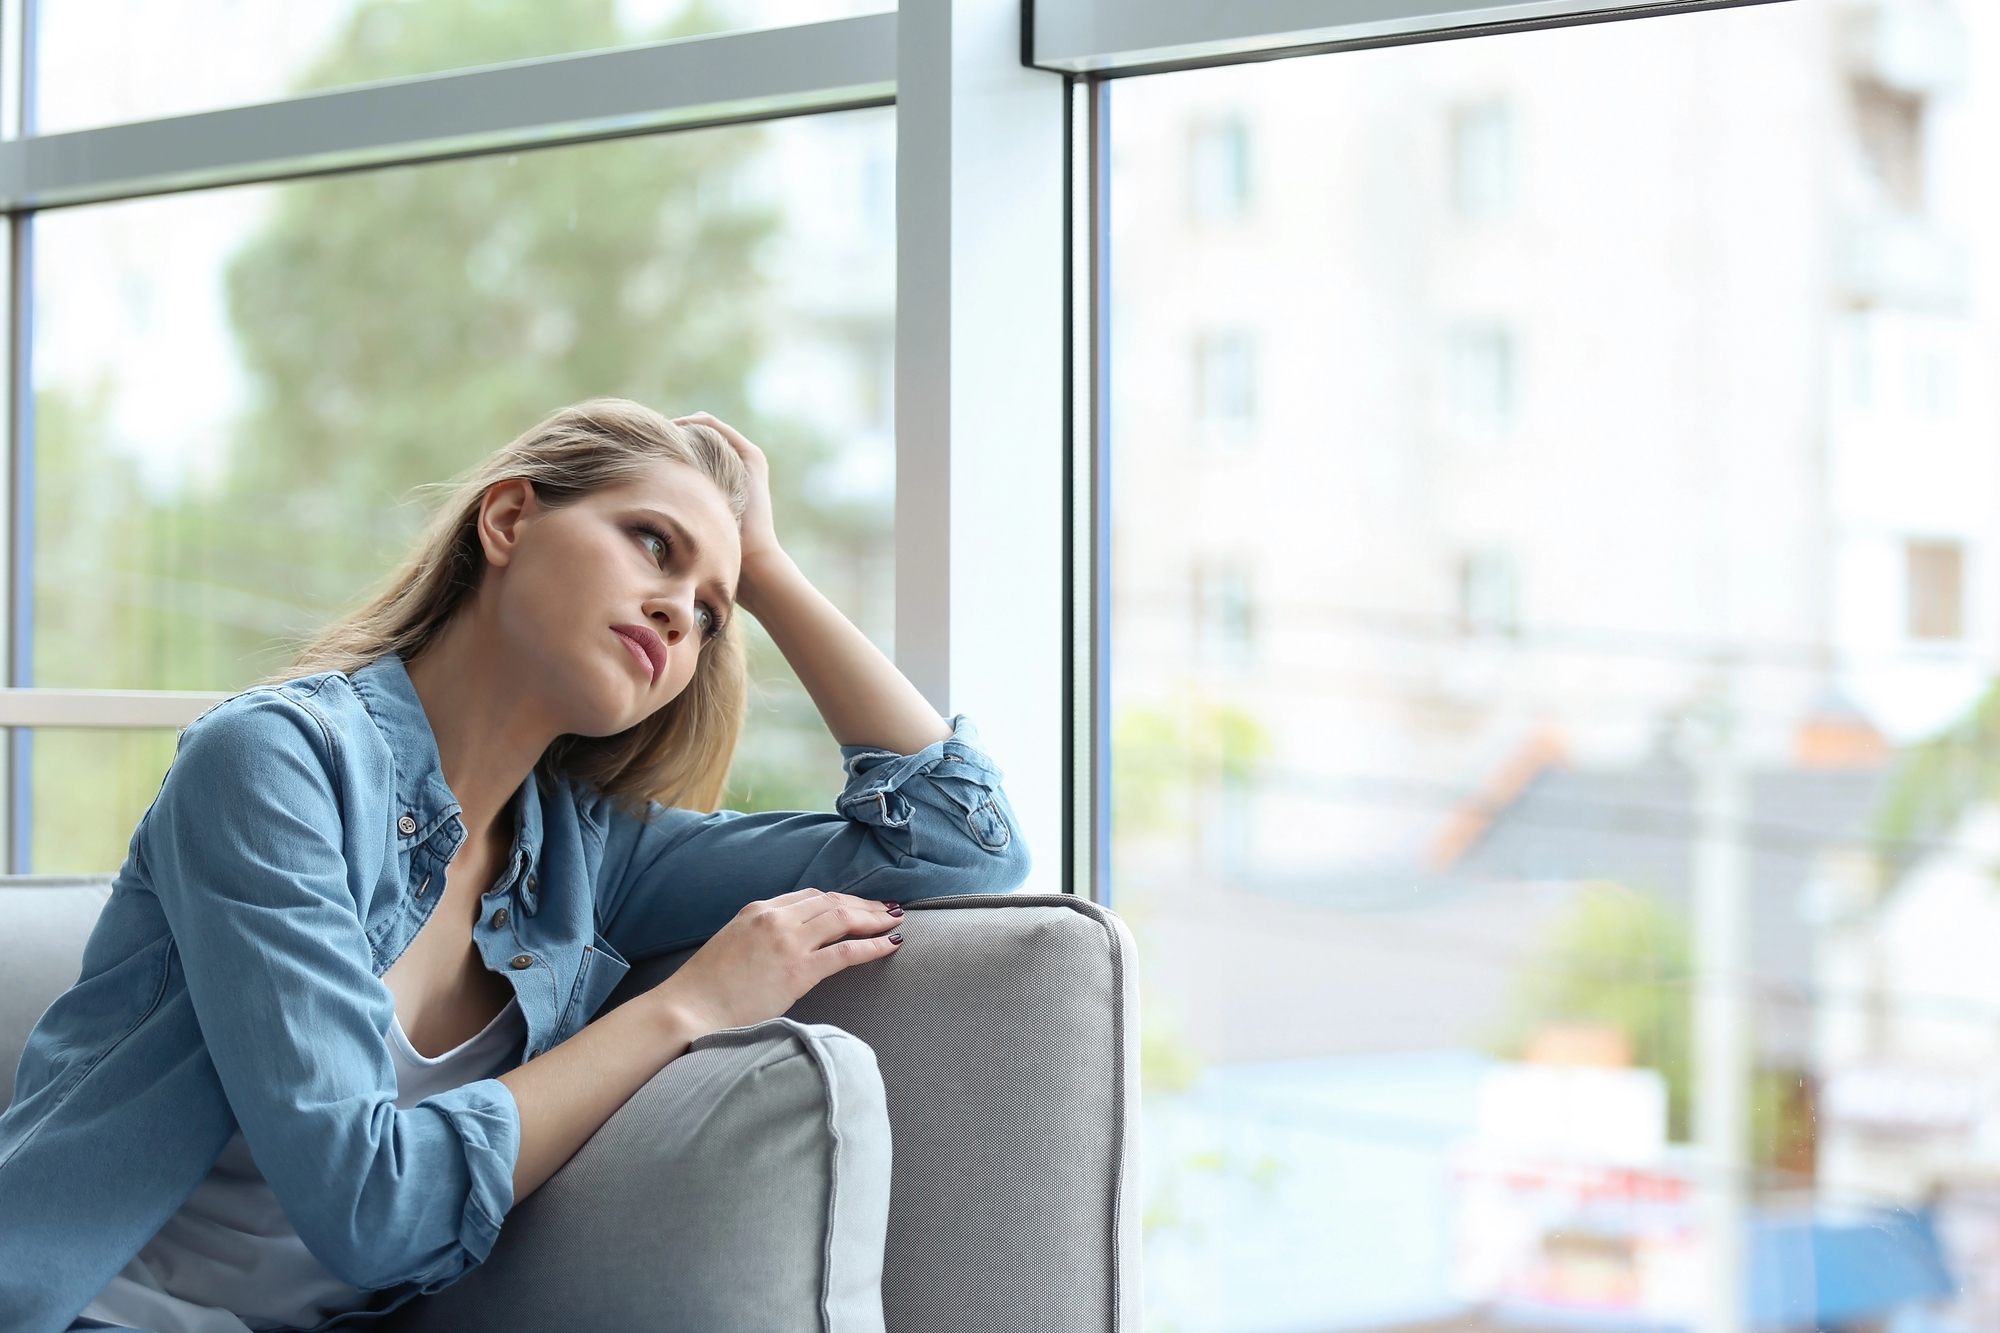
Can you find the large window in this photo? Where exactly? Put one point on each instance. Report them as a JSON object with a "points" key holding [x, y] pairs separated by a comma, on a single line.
{"points": [[1553, 750], [242, 394], [1553, 504]]}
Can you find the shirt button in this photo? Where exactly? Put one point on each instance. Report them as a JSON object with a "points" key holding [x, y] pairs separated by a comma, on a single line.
{"points": [[533, 883], [522, 960], [500, 918], [407, 825]]}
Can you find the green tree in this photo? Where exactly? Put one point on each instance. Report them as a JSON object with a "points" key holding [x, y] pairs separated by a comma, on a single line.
{"points": [[1619, 958]]}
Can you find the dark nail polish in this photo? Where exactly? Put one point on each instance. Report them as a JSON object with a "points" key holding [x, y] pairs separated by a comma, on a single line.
{"points": [[895, 911], [894, 907], [896, 938]]}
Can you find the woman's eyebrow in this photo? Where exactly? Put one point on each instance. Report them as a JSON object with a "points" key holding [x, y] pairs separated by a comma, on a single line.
{"points": [[674, 529], [686, 539]]}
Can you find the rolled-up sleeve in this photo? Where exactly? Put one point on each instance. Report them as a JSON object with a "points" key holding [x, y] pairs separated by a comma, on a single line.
{"points": [[904, 827], [247, 851]]}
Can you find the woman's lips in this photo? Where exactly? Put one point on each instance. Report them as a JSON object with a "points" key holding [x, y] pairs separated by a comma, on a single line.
{"points": [[647, 649]]}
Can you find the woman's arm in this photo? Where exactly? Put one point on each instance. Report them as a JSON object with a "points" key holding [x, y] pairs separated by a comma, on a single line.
{"points": [[756, 968], [863, 697], [246, 853]]}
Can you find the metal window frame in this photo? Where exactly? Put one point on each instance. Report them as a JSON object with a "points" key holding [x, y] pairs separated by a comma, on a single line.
{"points": [[1122, 38], [688, 83]]}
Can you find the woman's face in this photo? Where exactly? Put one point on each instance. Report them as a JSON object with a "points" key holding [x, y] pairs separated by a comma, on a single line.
{"points": [[605, 603]]}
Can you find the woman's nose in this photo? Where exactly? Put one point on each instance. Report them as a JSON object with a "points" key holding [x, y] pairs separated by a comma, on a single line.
{"points": [[671, 616]]}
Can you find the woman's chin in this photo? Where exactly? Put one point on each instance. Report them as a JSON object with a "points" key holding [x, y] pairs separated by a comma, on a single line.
{"points": [[610, 708]]}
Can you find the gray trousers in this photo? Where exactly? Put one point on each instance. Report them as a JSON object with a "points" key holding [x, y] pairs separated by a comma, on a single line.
{"points": [[744, 1190]]}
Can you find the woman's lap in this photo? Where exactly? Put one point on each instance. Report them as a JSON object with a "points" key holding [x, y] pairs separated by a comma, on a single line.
{"points": [[746, 1187]]}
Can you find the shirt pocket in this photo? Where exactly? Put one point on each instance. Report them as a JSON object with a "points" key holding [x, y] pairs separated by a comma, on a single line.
{"points": [[600, 973], [976, 803]]}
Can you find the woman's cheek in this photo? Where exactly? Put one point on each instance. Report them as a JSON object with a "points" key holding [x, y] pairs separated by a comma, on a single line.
{"points": [[679, 673]]}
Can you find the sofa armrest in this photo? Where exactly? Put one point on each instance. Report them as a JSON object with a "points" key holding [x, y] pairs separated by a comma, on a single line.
{"points": [[1006, 1029]]}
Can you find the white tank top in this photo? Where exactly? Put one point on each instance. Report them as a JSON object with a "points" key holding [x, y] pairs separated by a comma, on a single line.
{"points": [[229, 1260]]}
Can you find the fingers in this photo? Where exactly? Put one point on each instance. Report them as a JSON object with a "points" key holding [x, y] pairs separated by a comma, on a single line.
{"points": [[834, 902], [736, 438], [839, 957], [787, 899], [842, 922]]}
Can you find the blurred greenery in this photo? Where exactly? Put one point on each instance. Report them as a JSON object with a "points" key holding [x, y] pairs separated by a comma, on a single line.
{"points": [[395, 326], [1616, 957], [1936, 781], [1166, 757]]}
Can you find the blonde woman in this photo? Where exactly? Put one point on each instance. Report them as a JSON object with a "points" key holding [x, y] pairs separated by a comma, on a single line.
{"points": [[337, 1017]]}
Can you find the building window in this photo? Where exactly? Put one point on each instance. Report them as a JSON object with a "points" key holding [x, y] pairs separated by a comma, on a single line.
{"points": [[1936, 590], [1482, 161], [1483, 394], [1890, 127], [1488, 594], [1225, 385], [1225, 615], [1219, 170]]}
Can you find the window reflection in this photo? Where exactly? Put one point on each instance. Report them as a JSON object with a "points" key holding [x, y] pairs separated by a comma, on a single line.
{"points": [[1592, 642]]}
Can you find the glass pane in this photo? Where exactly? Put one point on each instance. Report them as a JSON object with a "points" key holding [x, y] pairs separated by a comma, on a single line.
{"points": [[240, 393], [1554, 720], [100, 62], [98, 784]]}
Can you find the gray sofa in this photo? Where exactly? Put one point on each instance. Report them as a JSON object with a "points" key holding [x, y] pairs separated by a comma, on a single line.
{"points": [[1007, 1034]]}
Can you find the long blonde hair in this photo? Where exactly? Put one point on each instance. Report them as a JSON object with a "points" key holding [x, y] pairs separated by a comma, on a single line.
{"points": [[678, 756]]}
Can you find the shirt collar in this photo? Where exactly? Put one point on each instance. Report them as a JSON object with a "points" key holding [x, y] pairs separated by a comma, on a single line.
{"points": [[421, 792]]}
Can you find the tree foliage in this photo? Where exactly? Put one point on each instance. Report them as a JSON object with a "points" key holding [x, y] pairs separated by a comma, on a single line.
{"points": [[1616, 957]]}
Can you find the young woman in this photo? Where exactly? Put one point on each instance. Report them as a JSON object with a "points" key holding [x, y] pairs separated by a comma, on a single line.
{"points": [[336, 1018]]}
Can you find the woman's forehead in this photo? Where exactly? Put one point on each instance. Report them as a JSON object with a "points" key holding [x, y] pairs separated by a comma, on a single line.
{"points": [[668, 481]]}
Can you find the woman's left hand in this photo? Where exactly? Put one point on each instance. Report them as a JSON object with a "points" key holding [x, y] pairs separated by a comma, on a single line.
{"points": [[759, 532]]}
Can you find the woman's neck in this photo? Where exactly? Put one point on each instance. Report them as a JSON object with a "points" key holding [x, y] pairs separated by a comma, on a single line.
{"points": [[490, 730]]}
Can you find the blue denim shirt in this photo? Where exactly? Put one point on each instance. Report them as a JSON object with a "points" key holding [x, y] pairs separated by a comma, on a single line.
{"points": [[296, 847]]}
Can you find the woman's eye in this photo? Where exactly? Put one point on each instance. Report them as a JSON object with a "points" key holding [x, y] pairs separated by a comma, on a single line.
{"points": [[655, 546], [704, 621]]}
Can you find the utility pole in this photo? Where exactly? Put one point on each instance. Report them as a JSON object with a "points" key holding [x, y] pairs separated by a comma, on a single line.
{"points": [[1721, 893]]}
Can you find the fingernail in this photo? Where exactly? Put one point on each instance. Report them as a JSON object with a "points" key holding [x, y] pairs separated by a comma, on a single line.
{"points": [[894, 910], [896, 938], [894, 907]]}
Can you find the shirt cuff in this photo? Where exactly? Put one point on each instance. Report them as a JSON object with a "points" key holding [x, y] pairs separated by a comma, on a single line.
{"points": [[875, 778], [488, 1122]]}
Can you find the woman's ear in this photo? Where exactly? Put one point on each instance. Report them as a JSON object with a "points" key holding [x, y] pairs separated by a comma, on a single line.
{"points": [[502, 511]]}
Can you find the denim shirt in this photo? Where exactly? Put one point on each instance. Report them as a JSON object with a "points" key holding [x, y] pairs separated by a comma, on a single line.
{"points": [[297, 845]]}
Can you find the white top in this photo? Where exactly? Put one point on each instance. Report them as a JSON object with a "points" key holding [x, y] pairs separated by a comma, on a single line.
{"points": [[229, 1260]]}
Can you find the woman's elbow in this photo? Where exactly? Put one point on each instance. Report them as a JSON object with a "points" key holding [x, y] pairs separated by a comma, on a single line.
{"points": [[375, 1246], [982, 866], [379, 1263]]}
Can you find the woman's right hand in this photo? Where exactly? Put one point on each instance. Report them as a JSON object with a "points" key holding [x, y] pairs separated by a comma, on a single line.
{"points": [[773, 952]]}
